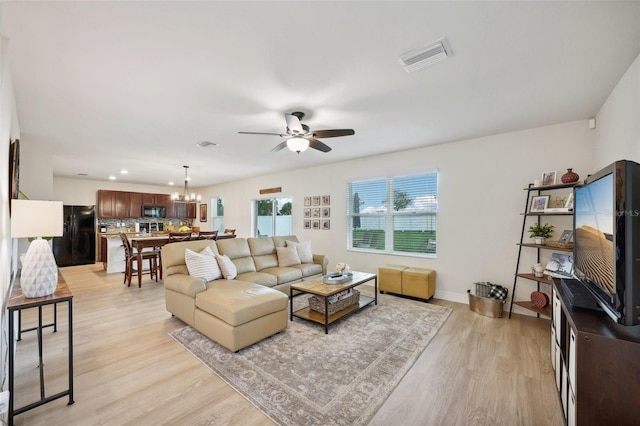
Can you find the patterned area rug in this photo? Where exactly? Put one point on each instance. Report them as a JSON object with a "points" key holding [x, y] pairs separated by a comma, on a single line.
{"points": [[303, 377]]}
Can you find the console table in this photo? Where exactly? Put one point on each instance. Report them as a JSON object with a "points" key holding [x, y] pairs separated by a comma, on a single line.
{"points": [[16, 304]]}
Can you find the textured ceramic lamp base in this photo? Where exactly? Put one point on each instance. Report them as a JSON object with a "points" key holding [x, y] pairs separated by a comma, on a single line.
{"points": [[39, 276]]}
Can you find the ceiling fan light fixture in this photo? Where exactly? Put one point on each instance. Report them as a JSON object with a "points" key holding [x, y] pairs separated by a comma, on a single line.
{"points": [[422, 57], [298, 144]]}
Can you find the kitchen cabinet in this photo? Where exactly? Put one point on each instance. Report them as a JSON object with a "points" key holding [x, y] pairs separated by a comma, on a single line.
{"points": [[113, 204], [135, 204], [182, 210]]}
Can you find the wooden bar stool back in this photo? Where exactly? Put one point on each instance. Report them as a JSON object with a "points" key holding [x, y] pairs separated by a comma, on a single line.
{"points": [[207, 235], [131, 262], [179, 236]]}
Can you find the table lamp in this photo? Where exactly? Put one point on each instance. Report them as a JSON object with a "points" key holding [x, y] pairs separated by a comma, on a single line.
{"points": [[37, 219]]}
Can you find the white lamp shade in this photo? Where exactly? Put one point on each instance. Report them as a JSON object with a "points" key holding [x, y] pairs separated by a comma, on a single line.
{"points": [[35, 218], [297, 144]]}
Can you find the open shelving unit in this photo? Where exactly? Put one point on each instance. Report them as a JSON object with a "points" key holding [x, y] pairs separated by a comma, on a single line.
{"points": [[529, 277]]}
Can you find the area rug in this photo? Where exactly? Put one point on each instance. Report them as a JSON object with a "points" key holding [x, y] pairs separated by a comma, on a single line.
{"points": [[302, 376]]}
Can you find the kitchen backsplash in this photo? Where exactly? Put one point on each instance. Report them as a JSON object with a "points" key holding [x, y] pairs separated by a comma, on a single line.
{"points": [[129, 225]]}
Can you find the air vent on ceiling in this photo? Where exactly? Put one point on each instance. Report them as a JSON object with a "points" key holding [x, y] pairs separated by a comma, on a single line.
{"points": [[428, 55], [206, 144]]}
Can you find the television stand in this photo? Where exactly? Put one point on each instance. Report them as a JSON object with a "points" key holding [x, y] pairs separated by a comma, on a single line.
{"points": [[579, 296], [596, 364]]}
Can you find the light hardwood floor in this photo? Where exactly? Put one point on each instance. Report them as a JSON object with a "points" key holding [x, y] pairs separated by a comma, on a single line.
{"points": [[476, 371]]}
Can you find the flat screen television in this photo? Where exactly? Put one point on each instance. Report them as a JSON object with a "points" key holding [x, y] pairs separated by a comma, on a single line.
{"points": [[606, 250]]}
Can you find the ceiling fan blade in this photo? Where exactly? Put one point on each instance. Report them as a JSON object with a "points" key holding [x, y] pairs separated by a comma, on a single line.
{"points": [[333, 133], [293, 123], [262, 133], [316, 144], [280, 146]]}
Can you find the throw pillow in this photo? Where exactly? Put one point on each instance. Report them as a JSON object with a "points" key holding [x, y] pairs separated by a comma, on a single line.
{"points": [[304, 250], [229, 270], [202, 265], [287, 256]]}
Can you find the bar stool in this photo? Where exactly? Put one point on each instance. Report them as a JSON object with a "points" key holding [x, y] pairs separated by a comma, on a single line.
{"points": [[207, 235], [179, 236]]}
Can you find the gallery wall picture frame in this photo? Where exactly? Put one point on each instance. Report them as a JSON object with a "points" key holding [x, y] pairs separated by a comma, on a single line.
{"points": [[326, 212], [539, 203], [315, 223], [548, 178], [326, 224], [203, 212], [326, 200], [315, 200], [307, 213], [307, 201], [315, 212], [307, 224]]}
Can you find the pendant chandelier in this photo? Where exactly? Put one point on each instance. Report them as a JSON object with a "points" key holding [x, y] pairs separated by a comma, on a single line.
{"points": [[186, 196]]}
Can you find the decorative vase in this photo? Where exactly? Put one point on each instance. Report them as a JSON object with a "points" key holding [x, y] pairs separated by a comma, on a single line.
{"points": [[570, 177]]}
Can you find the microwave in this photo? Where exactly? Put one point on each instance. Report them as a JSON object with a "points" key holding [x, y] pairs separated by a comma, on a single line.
{"points": [[154, 211]]}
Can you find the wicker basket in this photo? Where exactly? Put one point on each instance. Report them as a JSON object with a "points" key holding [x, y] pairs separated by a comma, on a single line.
{"points": [[480, 303], [317, 303], [558, 244]]}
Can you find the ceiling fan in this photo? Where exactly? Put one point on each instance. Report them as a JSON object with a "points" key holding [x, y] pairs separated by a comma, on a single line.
{"points": [[299, 137]]}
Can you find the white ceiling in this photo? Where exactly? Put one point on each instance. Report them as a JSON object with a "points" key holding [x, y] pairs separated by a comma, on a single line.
{"points": [[135, 85]]}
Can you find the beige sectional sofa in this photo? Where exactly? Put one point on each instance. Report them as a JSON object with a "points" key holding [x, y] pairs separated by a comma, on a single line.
{"points": [[239, 312]]}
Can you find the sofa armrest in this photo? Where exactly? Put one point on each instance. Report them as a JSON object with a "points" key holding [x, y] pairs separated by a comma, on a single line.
{"points": [[323, 260], [185, 284]]}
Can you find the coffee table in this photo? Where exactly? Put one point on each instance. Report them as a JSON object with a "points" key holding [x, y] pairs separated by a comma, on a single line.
{"points": [[318, 288]]}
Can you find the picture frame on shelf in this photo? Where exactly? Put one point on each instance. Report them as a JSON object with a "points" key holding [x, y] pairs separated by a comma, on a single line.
{"points": [[559, 266], [548, 178], [569, 203], [566, 236], [539, 203], [326, 200]]}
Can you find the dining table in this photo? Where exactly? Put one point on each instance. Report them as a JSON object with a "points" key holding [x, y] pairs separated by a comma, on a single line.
{"points": [[158, 241]]}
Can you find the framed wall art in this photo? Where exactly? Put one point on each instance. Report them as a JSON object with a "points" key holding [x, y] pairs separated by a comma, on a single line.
{"points": [[203, 212], [326, 200], [326, 212], [326, 224], [315, 223], [315, 200]]}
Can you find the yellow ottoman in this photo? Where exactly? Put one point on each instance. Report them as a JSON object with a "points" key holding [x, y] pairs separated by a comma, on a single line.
{"points": [[419, 282], [390, 277]]}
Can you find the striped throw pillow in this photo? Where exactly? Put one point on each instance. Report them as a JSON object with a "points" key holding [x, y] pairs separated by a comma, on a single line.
{"points": [[304, 250], [202, 265]]}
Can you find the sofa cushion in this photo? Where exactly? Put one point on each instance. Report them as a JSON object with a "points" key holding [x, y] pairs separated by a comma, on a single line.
{"points": [[304, 250], [238, 251], [284, 274], [281, 241], [228, 268], [309, 269], [259, 278], [202, 265], [287, 256], [264, 253], [238, 302], [173, 255]]}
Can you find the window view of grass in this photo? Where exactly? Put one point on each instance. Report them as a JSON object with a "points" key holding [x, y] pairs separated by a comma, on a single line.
{"points": [[403, 241]]}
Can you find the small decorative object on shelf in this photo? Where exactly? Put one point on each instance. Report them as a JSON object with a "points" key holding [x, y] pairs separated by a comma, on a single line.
{"points": [[570, 176], [540, 232], [539, 299], [538, 270]]}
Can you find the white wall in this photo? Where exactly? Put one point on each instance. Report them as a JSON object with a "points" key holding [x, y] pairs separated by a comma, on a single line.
{"points": [[480, 200], [618, 121]]}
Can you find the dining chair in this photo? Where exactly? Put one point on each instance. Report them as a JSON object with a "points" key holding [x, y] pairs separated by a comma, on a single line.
{"points": [[131, 262], [179, 236], [230, 231], [207, 235]]}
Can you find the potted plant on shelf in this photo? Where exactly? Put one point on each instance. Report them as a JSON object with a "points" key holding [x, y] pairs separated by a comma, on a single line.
{"points": [[540, 232]]}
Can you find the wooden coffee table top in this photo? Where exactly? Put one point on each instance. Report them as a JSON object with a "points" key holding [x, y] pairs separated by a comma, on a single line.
{"points": [[317, 287]]}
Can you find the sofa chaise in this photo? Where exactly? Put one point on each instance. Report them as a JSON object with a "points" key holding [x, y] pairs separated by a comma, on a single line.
{"points": [[241, 311]]}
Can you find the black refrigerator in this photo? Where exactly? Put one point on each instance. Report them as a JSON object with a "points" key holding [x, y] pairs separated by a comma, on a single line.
{"points": [[77, 246]]}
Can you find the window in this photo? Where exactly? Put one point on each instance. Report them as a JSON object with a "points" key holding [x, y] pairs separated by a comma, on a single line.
{"points": [[217, 214], [394, 215], [272, 217]]}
